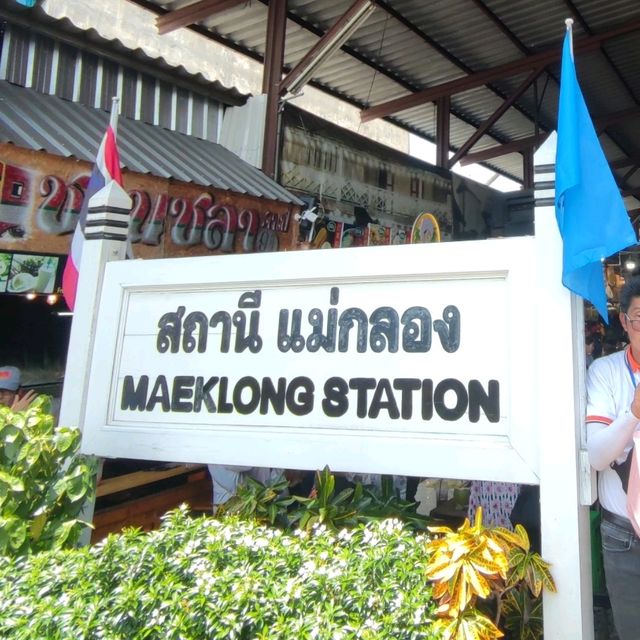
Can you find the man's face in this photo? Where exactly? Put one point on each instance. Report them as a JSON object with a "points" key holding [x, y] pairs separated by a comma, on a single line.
{"points": [[631, 323], [6, 397]]}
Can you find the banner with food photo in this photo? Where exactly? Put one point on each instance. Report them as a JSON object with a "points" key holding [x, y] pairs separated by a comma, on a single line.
{"points": [[29, 273]]}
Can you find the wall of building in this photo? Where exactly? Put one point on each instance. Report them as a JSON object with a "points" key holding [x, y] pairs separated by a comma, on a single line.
{"points": [[347, 175]]}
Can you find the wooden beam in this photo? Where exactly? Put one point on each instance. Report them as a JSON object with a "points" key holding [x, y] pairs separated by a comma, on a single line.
{"points": [[480, 78], [329, 39], [193, 13], [494, 117], [140, 478], [516, 146]]}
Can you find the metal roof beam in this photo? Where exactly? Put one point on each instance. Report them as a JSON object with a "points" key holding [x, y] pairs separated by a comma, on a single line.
{"points": [[583, 23], [193, 13], [445, 53], [481, 78], [501, 26], [494, 117], [604, 121], [629, 173], [511, 147], [622, 163]]}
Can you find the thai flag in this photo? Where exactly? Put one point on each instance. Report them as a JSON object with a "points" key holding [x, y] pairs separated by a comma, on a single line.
{"points": [[106, 169]]}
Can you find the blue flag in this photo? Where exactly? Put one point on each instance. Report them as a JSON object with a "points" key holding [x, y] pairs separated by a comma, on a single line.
{"points": [[591, 215]]}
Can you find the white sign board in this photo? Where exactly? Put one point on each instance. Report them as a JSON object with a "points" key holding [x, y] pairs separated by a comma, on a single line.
{"points": [[394, 359], [458, 360]]}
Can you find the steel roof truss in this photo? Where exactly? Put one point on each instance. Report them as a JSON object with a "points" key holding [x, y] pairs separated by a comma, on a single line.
{"points": [[494, 117], [510, 147], [480, 78]]}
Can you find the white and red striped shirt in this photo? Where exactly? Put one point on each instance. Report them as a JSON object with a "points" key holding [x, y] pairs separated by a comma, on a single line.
{"points": [[611, 382]]}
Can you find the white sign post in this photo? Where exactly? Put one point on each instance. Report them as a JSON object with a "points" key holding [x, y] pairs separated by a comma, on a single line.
{"points": [[105, 241], [566, 484], [453, 360]]}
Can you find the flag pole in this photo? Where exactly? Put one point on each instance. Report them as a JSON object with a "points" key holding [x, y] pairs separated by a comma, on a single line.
{"points": [[115, 112], [569, 23]]}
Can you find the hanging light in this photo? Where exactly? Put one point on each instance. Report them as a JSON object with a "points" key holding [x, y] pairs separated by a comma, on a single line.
{"points": [[327, 46], [31, 296], [52, 298]]}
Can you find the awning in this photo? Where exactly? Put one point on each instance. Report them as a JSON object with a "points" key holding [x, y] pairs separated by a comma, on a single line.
{"points": [[46, 123]]}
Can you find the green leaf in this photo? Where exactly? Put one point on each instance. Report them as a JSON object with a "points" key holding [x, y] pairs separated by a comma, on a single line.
{"points": [[17, 532], [37, 525], [66, 439], [77, 487], [11, 482], [64, 532]]}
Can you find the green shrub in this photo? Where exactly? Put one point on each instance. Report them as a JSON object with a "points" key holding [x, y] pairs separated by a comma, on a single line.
{"points": [[206, 578], [44, 483], [269, 504]]}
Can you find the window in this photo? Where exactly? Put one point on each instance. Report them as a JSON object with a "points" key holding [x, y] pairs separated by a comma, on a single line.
{"points": [[385, 179]]}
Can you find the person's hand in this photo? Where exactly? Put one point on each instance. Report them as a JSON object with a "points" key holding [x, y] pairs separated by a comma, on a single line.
{"points": [[20, 404]]}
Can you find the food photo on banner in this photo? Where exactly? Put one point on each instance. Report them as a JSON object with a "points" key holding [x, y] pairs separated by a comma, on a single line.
{"points": [[22, 273]]}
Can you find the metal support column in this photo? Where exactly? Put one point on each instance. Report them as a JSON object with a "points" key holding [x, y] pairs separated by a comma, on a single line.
{"points": [[527, 168], [273, 61], [443, 106]]}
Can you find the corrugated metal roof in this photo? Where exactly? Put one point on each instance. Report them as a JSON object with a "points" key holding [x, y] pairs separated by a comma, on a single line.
{"points": [[408, 45], [36, 121], [116, 49]]}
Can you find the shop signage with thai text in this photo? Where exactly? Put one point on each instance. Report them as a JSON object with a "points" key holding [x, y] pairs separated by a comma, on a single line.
{"points": [[40, 207]]}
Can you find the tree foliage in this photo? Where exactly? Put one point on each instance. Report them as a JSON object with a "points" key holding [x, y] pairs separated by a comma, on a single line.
{"points": [[44, 482]]}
